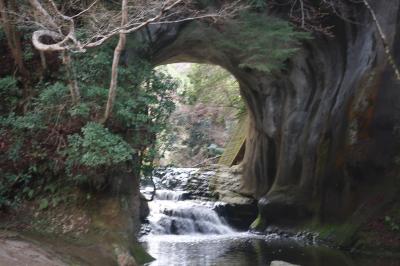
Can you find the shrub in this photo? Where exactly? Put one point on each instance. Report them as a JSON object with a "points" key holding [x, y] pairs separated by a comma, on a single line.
{"points": [[96, 147]]}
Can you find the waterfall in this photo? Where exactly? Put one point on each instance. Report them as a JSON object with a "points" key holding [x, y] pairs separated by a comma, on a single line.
{"points": [[173, 211], [166, 194], [185, 217]]}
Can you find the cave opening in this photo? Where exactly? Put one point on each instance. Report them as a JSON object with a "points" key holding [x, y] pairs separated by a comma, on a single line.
{"points": [[197, 168], [209, 122]]}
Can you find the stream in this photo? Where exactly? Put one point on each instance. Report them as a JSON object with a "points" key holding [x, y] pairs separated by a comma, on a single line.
{"points": [[184, 229]]}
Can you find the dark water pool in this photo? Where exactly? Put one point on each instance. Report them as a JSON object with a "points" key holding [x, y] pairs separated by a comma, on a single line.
{"points": [[239, 249]]}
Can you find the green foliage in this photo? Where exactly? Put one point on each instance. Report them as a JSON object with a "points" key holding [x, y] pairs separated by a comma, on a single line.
{"points": [[197, 137], [47, 108], [213, 86], [32, 120], [52, 95], [9, 94], [14, 151], [97, 65], [273, 41], [149, 105], [14, 188], [97, 147], [53, 143], [8, 85], [28, 53], [209, 104], [44, 204], [64, 142], [81, 110]]}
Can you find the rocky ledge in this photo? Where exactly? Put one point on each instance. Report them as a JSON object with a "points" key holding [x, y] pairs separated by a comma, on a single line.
{"points": [[212, 183]]}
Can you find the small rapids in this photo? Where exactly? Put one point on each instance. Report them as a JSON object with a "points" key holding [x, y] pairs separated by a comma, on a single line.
{"points": [[184, 229], [176, 212]]}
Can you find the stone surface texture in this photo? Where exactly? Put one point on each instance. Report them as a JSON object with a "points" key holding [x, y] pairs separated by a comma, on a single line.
{"points": [[322, 136]]}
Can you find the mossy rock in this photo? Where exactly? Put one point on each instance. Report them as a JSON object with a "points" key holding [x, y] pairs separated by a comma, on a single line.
{"points": [[258, 224]]}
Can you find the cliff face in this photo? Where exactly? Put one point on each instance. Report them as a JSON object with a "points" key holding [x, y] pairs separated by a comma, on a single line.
{"points": [[322, 139]]}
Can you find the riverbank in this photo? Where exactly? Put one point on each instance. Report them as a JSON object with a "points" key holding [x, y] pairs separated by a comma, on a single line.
{"points": [[83, 231], [16, 250]]}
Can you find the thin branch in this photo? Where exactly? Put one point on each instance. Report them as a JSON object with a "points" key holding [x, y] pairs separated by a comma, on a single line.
{"points": [[141, 25], [114, 69], [72, 82], [85, 10], [64, 37], [104, 32], [302, 13], [39, 8], [384, 40], [186, 19]]}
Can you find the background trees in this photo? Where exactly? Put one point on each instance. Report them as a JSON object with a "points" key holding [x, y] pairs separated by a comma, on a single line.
{"points": [[70, 33], [60, 111], [61, 133], [58, 143], [85, 109], [208, 106]]}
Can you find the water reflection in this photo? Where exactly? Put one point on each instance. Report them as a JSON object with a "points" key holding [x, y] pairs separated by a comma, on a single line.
{"points": [[242, 249], [185, 230]]}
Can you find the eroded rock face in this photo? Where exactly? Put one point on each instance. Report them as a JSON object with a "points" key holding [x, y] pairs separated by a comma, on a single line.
{"points": [[238, 210], [322, 136], [16, 252]]}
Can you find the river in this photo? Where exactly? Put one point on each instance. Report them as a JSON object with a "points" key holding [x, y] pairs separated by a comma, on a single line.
{"points": [[185, 230]]}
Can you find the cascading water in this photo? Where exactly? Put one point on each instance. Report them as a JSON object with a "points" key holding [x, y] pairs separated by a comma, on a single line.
{"points": [[176, 212], [184, 230], [170, 214]]}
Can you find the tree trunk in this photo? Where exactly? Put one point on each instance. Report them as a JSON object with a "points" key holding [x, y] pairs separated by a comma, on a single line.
{"points": [[43, 60], [72, 83], [14, 42], [114, 70]]}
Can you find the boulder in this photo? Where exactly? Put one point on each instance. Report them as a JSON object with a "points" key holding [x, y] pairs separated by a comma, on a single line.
{"points": [[238, 210]]}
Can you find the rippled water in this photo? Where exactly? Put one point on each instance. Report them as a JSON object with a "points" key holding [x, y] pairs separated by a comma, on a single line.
{"points": [[244, 249], [187, 232]]}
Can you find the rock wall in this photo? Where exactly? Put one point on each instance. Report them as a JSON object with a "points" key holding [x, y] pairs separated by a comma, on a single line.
{"points": [[237, 209], [322, 138]]}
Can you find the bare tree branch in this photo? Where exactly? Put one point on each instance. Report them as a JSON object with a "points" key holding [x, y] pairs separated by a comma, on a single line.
{"points": [[72, 82], [104, 33], [114, 69], [42, 12], [57, 30], [85, 10], [384, 40]]}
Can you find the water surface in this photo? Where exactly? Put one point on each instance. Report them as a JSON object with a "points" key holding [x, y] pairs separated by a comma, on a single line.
{"points": [[245, 249], [185, 230]]}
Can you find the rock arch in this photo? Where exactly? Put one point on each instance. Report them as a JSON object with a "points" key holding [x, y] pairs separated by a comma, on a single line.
{"points": [[323, 130]]}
